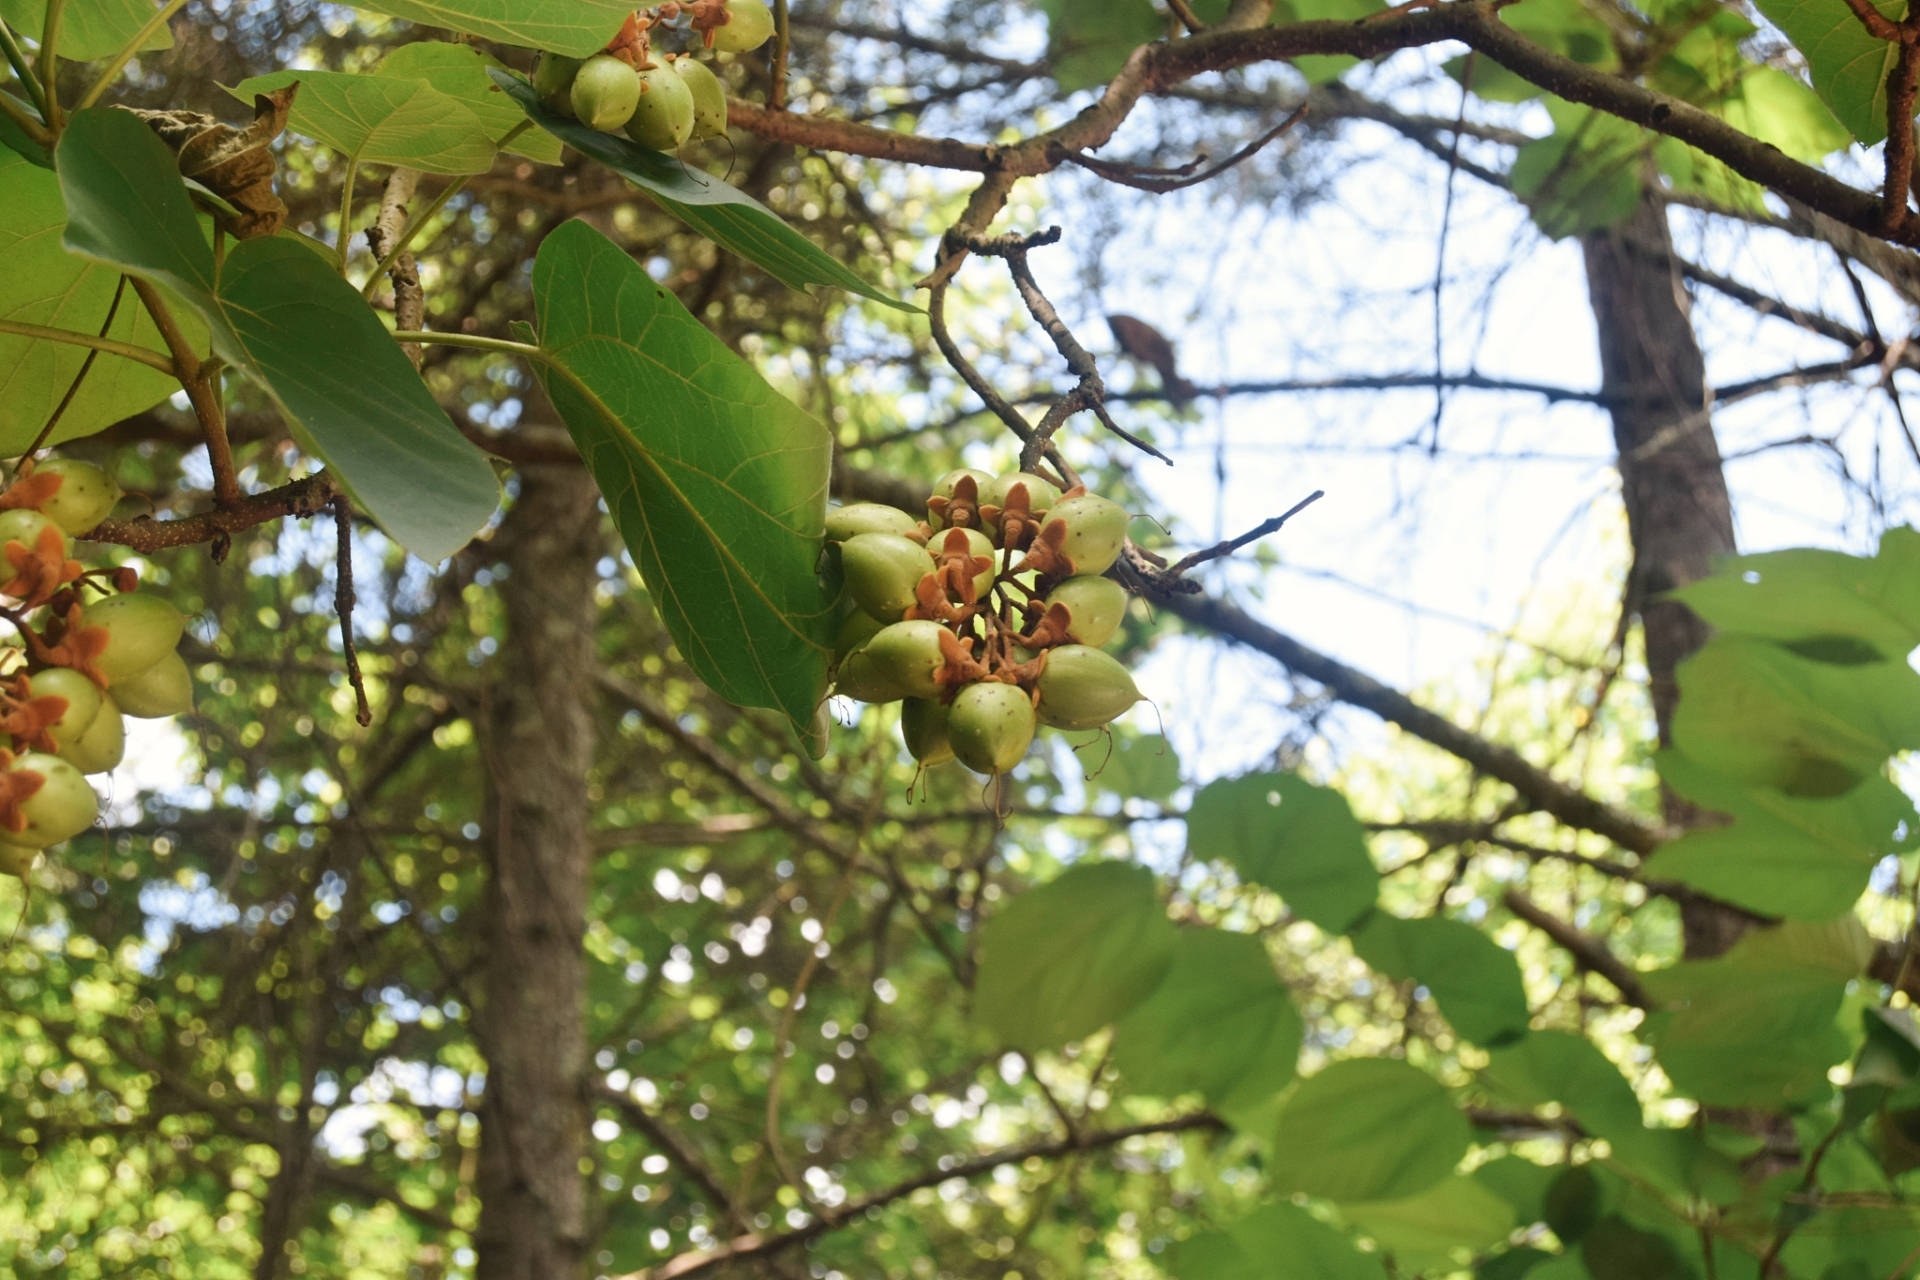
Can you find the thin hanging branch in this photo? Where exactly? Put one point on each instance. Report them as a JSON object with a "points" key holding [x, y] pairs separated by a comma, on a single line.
{"points": [[343, 602], [1259, 531], [1161, 181]]}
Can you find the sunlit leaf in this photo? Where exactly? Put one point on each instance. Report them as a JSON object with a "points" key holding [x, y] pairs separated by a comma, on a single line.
{"points": [[1455, 1213], [1849, 67], [1474, 979], [1808, 595], [1277, 1240], [574, 27], [1300, 840], [89, 29], [460, 71], [378, 120]]}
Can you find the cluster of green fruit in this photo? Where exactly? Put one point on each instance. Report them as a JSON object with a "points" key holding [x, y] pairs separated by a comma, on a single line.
{"points": [[986, 619], [658, 106], [89, 663]]}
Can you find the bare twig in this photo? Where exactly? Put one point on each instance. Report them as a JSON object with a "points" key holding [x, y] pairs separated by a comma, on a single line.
{"points": [[1184, 11], [1259, 531], [1145, 179], [343, 602], [1590, 953], [782, 44]]}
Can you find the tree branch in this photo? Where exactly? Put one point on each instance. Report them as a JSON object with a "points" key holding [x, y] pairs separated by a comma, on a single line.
{"points": [[1590, 953], [301, 499]]}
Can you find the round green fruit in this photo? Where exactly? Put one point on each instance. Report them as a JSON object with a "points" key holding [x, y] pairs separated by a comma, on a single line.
{"points": [[17, 860], [605, 92], [62, 808], [1083, 688], [83, 703], [709, 97], [907, 655], [990, 726], [862, 680], [163, 689], [141, 630], [1096, 530], [663, 118], [1094, 608], [749, 25], [553, 81], [867, 517], [856, 629], [1040, 495], [24, 527], [87, 495], [103, 746], [923, 725], [883, 570]]}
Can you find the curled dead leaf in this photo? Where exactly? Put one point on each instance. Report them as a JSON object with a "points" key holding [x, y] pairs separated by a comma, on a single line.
{"points": [[235, 164]]}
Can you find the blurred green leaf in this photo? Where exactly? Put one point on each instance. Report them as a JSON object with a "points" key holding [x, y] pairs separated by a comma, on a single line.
{"points": [[1807, 595], [1300, 840], [1848, 66], [460, 72], [89, 29], [1064, 960], [377, 120], [717, 483], [1455, 1213], [1475, 981], [1585, 174], [1142, 767], [1277, 1240], [578, 28], [1367, 1129], [1520, 1182], [1616, 1250]]}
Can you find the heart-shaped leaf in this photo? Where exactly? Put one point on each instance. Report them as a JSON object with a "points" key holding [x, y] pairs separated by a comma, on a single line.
{"points": [[460, 71], [378, 120]]}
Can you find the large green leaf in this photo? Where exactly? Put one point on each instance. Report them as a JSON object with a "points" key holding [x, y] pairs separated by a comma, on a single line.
{"points": [[41, 283], [1520, 1182], [1756, 1026], [1806, 858], [1367, 1129], [1849, 67], [730, 218], [377, 120], [1276, 1242], [1756, 711], [717, 483], [1585, 174], [577, 28], [1456, 1213], [1066, 959], [460, 71], [1474, 979], [1220, 1024], [280, 316], [89, 29], [1809, 596], [1300, 840]]}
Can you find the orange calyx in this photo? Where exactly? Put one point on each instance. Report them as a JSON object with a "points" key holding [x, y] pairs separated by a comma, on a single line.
{"points": [[16, 787], [958, 566], [80, 647], [1045, 557], [43, 570], [31, 492], [961, 668], [962, 510], [28, 718], [1051, 630]]}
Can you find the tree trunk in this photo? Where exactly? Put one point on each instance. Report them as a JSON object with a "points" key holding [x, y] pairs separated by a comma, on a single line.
{"points": [[1678, 512], [538, 747]]}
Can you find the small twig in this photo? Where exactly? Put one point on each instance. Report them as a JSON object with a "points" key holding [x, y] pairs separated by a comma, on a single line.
{"points": [[1146, 179], [1590, 953], [782, 43], [201, 383], [73, 389], [1440, 253], [343, 602], [1188, 18], [1259, 531]]}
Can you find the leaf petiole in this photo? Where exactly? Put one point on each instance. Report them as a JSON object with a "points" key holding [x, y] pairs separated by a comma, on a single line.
{"points": [[113, 347], [112, 70], [17, 112], [49, 62], [21, 68], [473, 341]]}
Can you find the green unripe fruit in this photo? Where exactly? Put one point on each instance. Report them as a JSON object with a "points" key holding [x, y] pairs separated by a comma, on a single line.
{"points": [[163, 689], [867, 517], [709, 98], [17, 859], [553, 81], [907, 655], [62, 808], [856, 629], [103, 746], [923, 725], [882, 572], [1094, 607], [663, 118], [141, 630], [24, 527], [990, 726], [87, 495], [83, 703], [605, 91], [1083, 688], [861, 679], [1040, 495], [749, 25], [1096, 530]]}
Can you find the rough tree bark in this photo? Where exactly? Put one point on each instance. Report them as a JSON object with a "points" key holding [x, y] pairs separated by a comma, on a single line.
{"points": [[538, 747], [1678, 513]]}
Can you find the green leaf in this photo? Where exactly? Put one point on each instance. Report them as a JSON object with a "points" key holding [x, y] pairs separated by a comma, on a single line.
{"points": [[1564, 26], [578, 28], [1474, 979], [41, 283], [1062, 961], [717, 483], [1142, 767], [376, 120], [1300, 840], [89, 29], [280, 316], [460, 71], [1367, 1129], [1088, 41], [1807, 595], [1616, 1250], [1755, 711], [1324, 68], [1273, 1242], [1585, 174], [1794, 856], [1220, 1024], [1457, 1213], [1849, 67], [730, 218], [1755, 1027], [1520, 1182], [17, 141]]}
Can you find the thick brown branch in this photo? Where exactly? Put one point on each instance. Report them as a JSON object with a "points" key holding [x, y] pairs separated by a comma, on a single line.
{"points": [[301, 499], [1590, 953]]}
